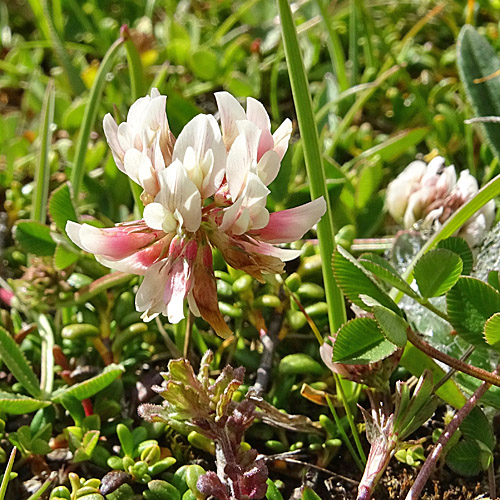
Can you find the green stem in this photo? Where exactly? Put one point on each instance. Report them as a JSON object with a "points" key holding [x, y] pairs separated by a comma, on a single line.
{"points": [[425, 303], [6, 476], [455, 363], [343, 434], [313, 160], [42, 171], [47, 369]]}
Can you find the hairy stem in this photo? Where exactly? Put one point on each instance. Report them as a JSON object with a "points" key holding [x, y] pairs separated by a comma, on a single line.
{"points": [[473, 371], [450, 429]]}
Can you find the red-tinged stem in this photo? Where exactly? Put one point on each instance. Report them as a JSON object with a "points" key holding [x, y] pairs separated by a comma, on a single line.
{"points": [[451, 428], [457, 364], [87, 407]]}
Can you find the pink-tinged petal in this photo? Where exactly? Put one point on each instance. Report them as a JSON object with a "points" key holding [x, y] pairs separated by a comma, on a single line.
{"points": [[252, 135], [268, 167], [281, 137], [290, 225], [230, 111], [241, 224], [137, 110], [230, 215], [111, 132], [260, 216], [262, 248], [6, 296], [257, 114], [113, 243], [155, 115], [126, 136]]}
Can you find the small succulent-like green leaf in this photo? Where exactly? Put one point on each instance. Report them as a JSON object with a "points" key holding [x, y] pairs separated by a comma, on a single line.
{"points": [[385, 272], [158, 490], [126, 440], [469, 305], [460, 247], [392, 325], [360, 341], [309, 494], [16, 404], [477, 59], [465, 458], [93, 385], [12, 356], [299, 364], [34, 237], [492, 331], [272, 492], [437, 271], [354, 281], [61, 208]]}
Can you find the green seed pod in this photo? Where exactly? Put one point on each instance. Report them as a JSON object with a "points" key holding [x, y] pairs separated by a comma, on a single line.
{"points": [[293, 282], [297, 446], [243, 283], [345, 235], [60, 493], [145, 444], [276, 446], [79, 330], [151, 454], [310, 291], [203, 443], [161, 466], [317, 310], [189, 495], [224, 289], [267, 301], [230, 310]]}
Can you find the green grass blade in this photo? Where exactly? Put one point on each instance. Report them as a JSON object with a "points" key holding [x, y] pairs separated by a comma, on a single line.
{"points": [[71, 72], [232, 20], [6, 476], [47, 370], [334, 48], [90, 116], [137, 80], [38, 493], [42, 170], [313, 160], [15, 361], [353, 41]]}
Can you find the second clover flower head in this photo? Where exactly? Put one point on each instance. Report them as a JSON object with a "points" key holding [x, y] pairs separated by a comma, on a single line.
{"points": [[203, 190]]}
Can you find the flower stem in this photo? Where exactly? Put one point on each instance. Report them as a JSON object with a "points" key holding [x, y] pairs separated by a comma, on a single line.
{"points": [[425, 303], [451, 428], [473, 371]]}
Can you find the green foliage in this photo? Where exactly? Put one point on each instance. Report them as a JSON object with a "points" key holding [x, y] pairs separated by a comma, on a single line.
{"points": [[477, 59], [34, 237], [437, 271]]}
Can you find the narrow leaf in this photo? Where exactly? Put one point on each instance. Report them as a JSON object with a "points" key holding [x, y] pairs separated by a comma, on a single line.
{"points": [[392, 325], [354, 281], [476, 60], [17, 364], [437, 271], [17, 404], [93, 385], [385, 272], [42, 170], [360, 341]]}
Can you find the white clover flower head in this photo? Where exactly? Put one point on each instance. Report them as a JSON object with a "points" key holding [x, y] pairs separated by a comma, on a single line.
{"points": [[204, 190]]}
